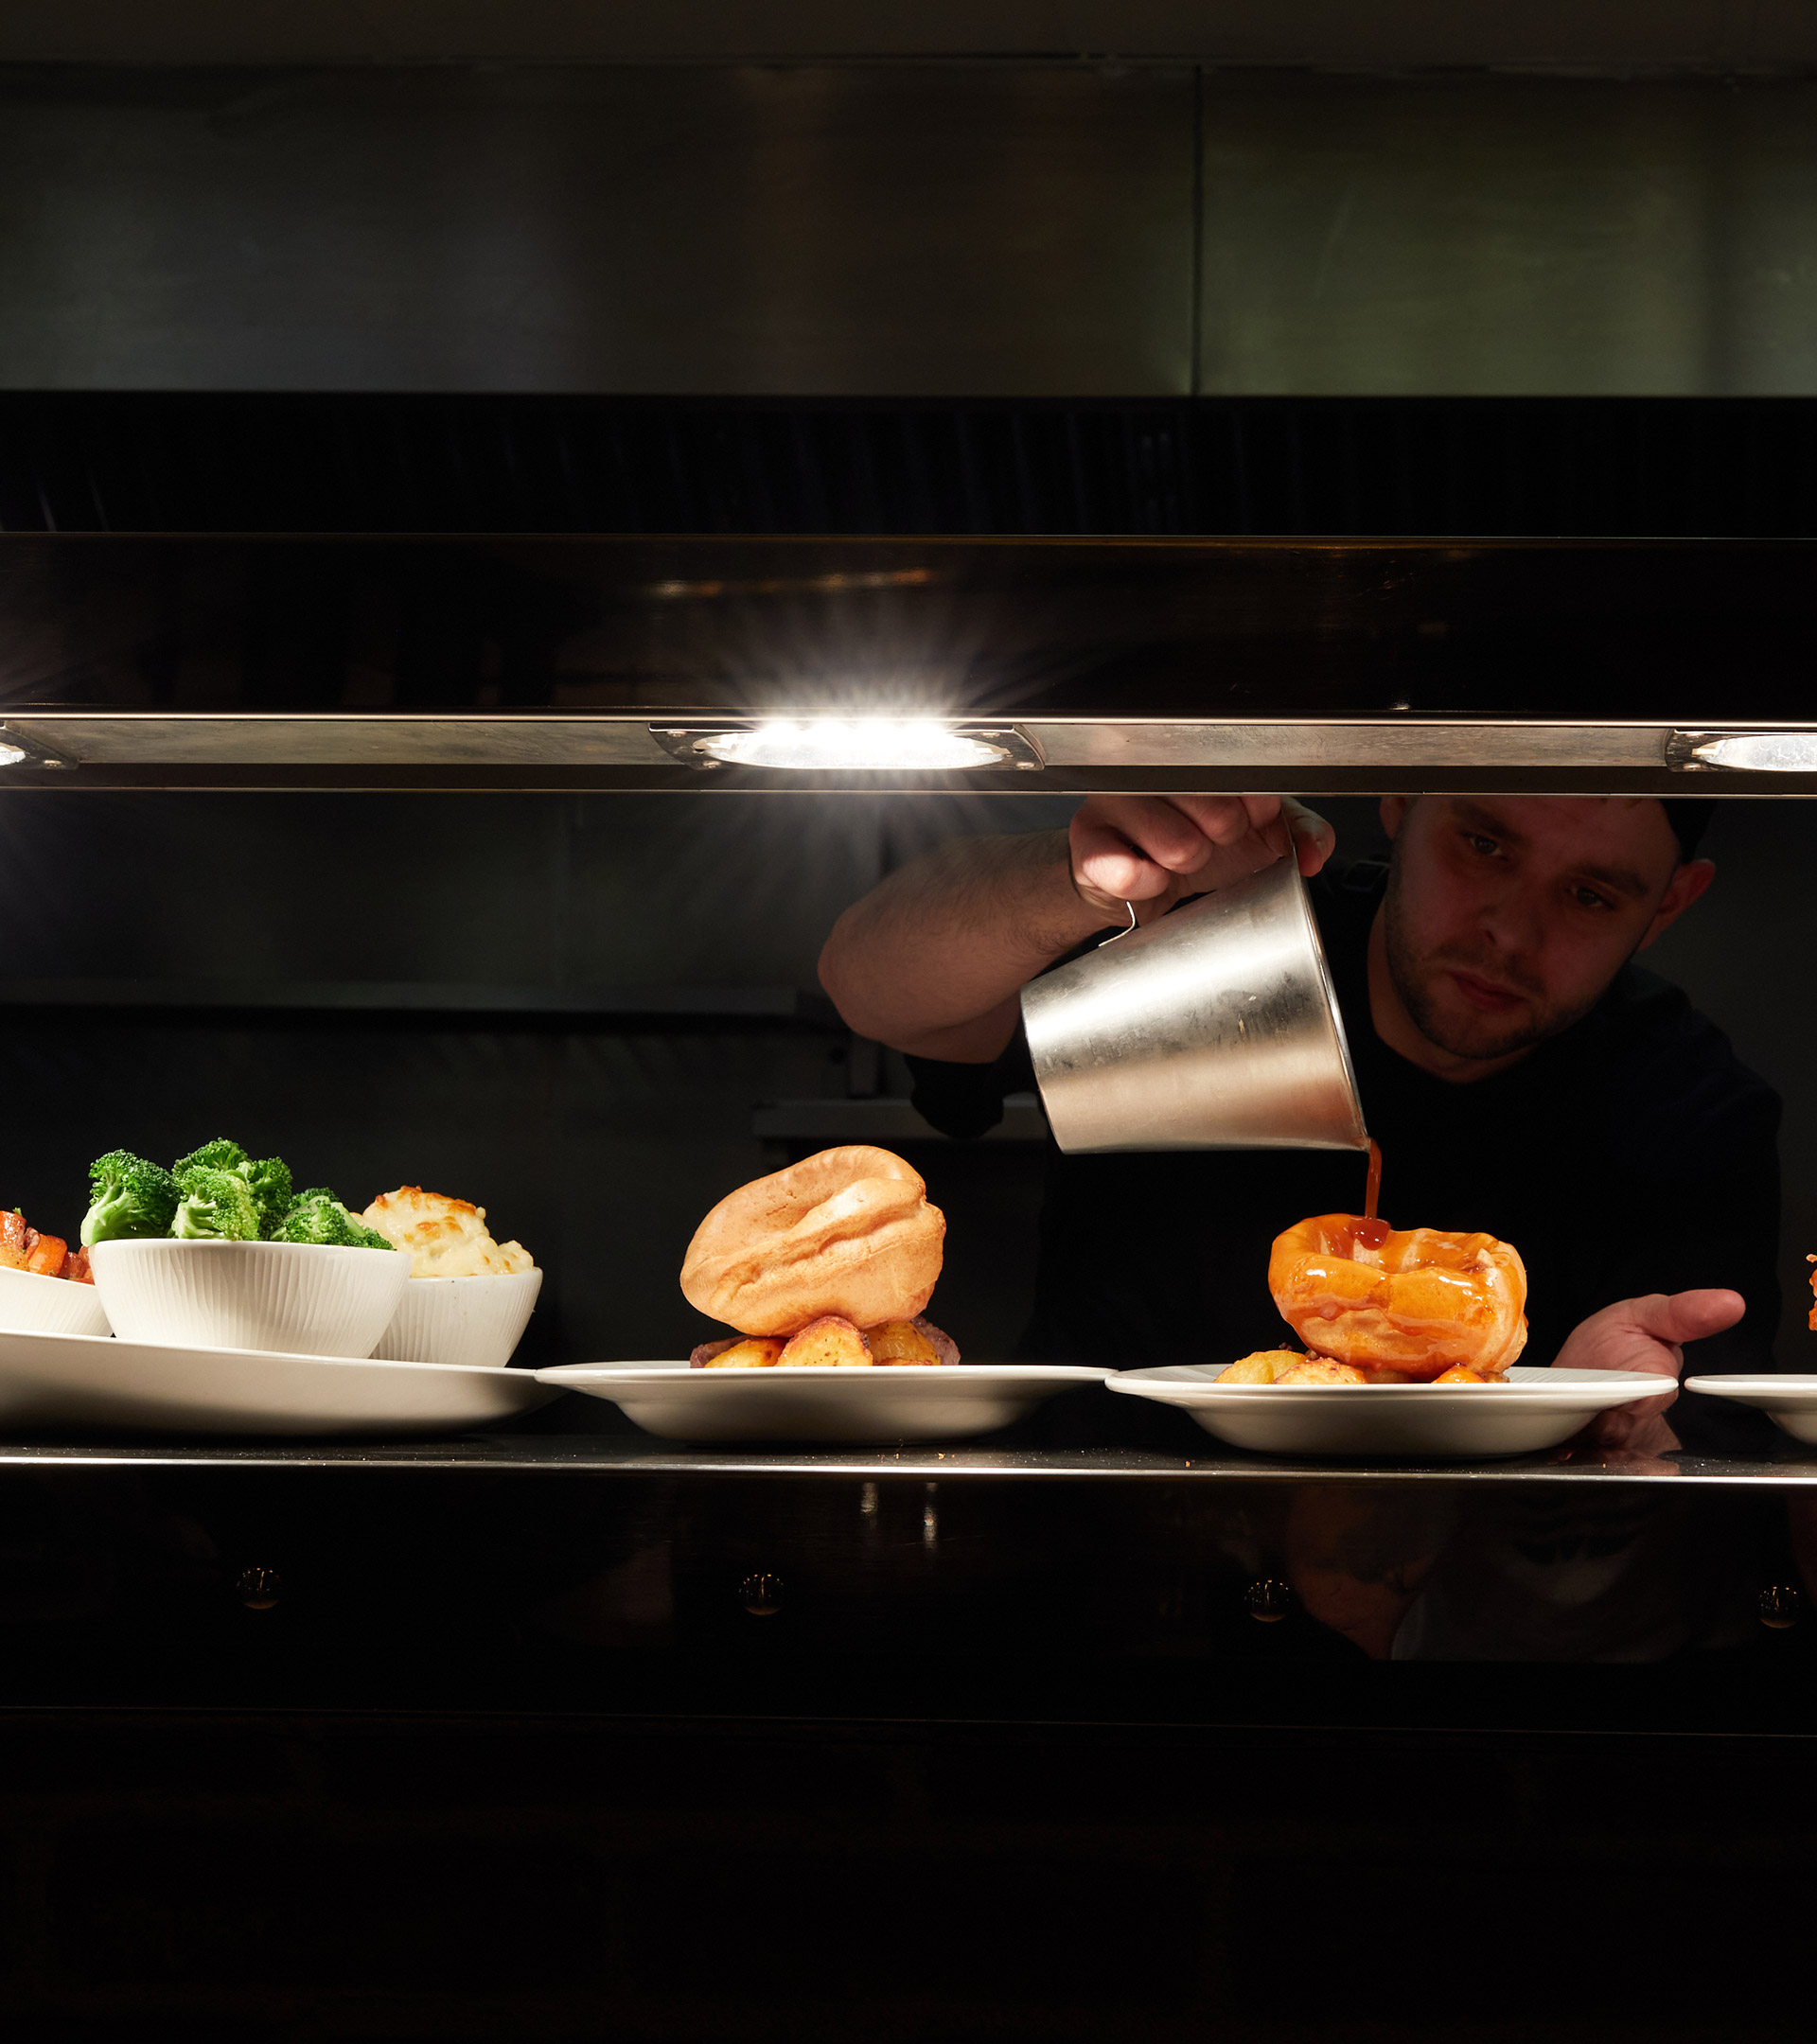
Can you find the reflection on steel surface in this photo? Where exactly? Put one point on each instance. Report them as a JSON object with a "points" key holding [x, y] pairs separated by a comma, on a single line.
{"points": [[1755, 752], [1781, 1607], [1267, 1600], [761, 1593], [1538, 1575], [32, 751], [259, 1589], [1214, 1029]]}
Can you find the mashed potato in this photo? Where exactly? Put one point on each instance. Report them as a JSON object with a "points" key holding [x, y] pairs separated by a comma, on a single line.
{"points": [[446, 1238]]}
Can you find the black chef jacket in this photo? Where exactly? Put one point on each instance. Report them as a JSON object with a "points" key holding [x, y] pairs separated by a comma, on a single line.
{"points": [[1631, 1153]]}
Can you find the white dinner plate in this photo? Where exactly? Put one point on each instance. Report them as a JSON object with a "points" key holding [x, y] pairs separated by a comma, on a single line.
{"points": [[887, 1403], [1536, 1408], [1792, 1400], [89, 1380]]}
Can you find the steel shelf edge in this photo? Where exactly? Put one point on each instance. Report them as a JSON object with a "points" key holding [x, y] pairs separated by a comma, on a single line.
{"points": [[607, 1456]]}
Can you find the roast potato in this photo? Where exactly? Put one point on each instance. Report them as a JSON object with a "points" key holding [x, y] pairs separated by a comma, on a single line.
{"points": [[900, 1341], [1320, 1369], [1265, 1367], [828, 1343], [756, 1351]]}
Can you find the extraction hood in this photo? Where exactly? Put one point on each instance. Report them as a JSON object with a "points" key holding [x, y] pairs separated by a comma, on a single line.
{"points": [[1328, 666]]}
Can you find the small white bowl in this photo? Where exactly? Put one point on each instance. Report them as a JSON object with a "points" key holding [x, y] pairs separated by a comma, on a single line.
{"points": [[31, 1303], [467, 1321], [291, 1299]]}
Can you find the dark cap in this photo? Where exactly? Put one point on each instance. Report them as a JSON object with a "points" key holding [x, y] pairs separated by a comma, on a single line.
{"points": [[1689, 819]]}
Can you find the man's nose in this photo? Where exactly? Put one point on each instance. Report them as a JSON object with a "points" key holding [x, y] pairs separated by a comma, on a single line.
{"points": [[1511, 918]]}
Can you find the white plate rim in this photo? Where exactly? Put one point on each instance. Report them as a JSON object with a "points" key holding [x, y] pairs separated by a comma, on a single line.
{"points": [[673, 1374], [1758, 1389], [114, 1346], [1160, 1382]]}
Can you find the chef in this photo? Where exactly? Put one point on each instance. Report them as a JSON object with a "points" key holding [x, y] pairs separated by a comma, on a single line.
{"points": [[1522, 1074]]}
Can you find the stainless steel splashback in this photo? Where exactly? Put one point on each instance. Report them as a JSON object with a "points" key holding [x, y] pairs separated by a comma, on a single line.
{"points": [[1012, 227], [696, 229]]}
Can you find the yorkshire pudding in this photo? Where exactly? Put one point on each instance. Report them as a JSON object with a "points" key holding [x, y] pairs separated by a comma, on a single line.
{"points": [[847, 1232], [1410, 1303]]}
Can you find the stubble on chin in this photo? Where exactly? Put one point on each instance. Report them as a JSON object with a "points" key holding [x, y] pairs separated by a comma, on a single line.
{"points": [[1419, 981], [1476, 1038]]}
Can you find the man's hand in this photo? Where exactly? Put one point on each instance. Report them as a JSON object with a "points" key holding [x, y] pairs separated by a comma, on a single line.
{"points": [[1645, 1334], [1152, 849]]}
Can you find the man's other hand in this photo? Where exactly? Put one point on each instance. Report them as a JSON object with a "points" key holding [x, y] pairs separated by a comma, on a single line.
{"points": [[1154, 849], [1647, 1335]]}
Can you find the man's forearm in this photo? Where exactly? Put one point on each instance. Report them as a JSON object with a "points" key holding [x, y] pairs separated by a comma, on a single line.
{"points": [[932, 959]]}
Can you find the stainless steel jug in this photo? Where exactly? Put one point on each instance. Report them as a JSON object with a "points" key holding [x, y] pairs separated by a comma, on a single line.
{"points": [[1215, 1028]]}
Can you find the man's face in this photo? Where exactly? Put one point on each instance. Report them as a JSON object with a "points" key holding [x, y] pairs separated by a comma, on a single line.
{"points": [[1508, 916]]}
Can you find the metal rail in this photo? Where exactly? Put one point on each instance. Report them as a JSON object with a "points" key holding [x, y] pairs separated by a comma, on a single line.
{"points": [[610, 751], [614, 1456]]}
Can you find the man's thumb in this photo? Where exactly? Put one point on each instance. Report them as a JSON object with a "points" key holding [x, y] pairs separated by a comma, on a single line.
{"points": [[1688, 1316]]}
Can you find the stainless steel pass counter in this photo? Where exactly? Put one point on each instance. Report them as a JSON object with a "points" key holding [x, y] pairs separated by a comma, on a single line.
{"points": [[548, 1572]]}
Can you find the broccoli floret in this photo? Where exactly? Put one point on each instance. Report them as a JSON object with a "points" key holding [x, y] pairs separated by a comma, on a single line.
{"points": [[129, 1198], [317, 1216], [214, 1205], [224, 1153], [268, 1179]]}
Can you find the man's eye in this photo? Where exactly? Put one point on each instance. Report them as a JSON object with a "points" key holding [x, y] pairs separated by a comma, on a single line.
{"points": [[1589, 898], [1483, 847]]}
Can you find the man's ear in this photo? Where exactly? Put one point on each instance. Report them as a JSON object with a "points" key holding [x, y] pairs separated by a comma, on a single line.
{"points": [[1681, 890], [1394, 811]]}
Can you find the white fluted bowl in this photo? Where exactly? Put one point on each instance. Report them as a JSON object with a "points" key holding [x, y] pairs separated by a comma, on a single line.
{"points": [[474, 1322], [31, 1303], [291, 1299]]}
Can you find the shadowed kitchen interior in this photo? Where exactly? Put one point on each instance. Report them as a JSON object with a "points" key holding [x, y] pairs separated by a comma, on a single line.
{"points": [[591, 1011], [498, 376]]}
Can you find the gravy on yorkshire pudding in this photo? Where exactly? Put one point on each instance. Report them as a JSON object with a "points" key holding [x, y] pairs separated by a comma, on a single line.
{"points": [[1401, 1305]]}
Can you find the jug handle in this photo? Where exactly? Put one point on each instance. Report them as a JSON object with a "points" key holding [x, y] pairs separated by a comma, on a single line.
{"points": [[1116, 935]]}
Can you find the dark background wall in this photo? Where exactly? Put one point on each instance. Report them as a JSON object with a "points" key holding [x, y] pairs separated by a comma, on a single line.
{"points": [[163, 461]]}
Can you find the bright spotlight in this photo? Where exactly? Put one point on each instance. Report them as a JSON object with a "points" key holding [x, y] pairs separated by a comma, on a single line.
{"points": [[863, 745], [1758, 752]]}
